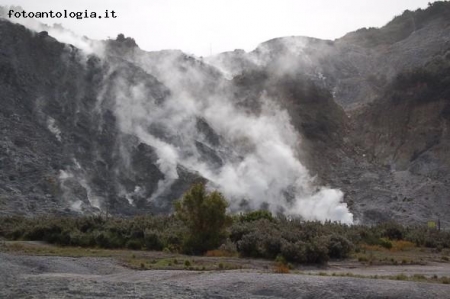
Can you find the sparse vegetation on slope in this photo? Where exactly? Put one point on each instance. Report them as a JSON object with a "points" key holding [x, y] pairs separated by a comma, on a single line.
{"points": [[401, 26]]}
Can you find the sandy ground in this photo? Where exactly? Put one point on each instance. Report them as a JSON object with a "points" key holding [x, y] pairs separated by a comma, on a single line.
{"points": [[24, 276]]}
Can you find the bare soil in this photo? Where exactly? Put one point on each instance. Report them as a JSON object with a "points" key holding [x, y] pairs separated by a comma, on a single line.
{"points": [[30, 275]]}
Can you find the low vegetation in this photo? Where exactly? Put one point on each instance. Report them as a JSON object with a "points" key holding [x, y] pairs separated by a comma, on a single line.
{"points": [[201, 226]]}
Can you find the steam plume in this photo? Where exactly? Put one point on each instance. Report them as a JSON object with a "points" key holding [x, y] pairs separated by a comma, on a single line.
{"points": [[250, 157], [253, 157]]}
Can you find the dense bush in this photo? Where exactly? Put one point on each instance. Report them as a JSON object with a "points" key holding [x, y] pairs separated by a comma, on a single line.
{"points": [[339, 247], [294, 240], [250, 235], [151, 233], [250, 245], [317, 251], [294, 252]]}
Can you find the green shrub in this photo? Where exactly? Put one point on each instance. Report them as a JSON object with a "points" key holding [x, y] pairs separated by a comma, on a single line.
{"points": [[317, 251], [109, 240], [152, 240], [78, 238], [256, 215], [272, 246], [385, 243], [238, 230], [205, 217], [339, 247], [393, 231], [294, 252], [134, 244], [250, 245]]}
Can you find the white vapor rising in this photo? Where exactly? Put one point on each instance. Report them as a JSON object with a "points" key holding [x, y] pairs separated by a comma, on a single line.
{"points": [[257, 152], [250, 157]]}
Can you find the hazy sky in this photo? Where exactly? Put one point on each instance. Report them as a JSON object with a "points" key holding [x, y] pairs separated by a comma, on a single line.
{"points": [[202, 26]]}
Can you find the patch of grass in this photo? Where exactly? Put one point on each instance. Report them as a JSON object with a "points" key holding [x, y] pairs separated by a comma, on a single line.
{"points": [[376, 255], [219, 253], [402, 245], [401, 277], [159, 264], [419, 277], [138, 260], [31, 249], [367, 247], [363, 259], [281, 268]]}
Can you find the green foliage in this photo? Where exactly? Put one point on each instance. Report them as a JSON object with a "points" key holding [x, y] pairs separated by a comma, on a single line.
{"points": [[385, 243], [393, 231], [317, 251], [134, 244], [153, 240], [339, 246], [250, 245], [152, 233], [256, 215], [294, 252], [204, 215], [293, 240]]}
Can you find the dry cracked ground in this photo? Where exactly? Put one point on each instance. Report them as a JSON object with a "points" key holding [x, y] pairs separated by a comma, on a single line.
{"points": [[36, 276]]}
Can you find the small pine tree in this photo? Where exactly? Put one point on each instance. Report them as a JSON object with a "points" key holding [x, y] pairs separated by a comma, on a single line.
{"points": [[205, 217]]}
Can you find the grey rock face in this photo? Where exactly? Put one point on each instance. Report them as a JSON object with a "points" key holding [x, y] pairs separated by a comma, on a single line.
{"points": [[61, 149], [128, 131]]}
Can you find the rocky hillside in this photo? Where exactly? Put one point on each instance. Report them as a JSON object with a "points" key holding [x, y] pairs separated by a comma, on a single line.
{"points": [[406, 131], [284, 127], [61, 148], [392, 160], [356, 66]]}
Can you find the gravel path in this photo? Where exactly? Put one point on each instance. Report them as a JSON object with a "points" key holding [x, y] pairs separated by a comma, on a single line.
{"points": [[64, 277]]}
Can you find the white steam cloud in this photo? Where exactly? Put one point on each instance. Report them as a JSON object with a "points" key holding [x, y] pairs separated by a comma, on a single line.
{"points": [[255, 159], [254, 156]]}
